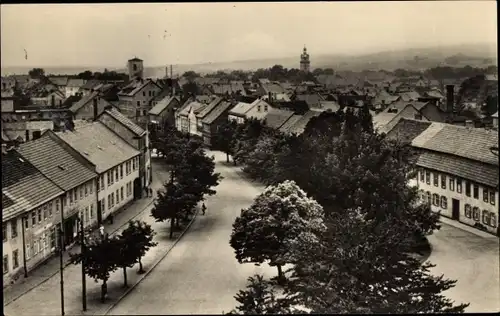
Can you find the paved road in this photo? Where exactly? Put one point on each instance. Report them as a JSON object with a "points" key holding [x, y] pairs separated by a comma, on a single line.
{"points": [[200, 275], [471, 260]]}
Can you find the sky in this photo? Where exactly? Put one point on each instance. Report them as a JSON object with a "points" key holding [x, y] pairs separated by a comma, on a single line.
{"points": [[66, 35]]}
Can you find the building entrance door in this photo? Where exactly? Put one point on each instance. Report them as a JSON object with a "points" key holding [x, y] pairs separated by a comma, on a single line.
{"points": [[455, 210]]}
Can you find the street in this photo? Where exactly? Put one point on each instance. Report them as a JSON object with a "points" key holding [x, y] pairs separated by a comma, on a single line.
{"points": [[201, 275], [471, 260]]}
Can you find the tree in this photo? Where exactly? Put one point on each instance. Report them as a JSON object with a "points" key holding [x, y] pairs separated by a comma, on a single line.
{"points": [[267, 230], [36, 73], [190, 75], [224, 137], [171, 203], [99, 259], [126, 258], [139, 236], [258, 298]]}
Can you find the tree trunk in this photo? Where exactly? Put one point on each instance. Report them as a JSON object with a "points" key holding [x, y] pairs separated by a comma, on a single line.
{"points": [[172, 228], [227, 157], [104, 291], [281, 277], [125, 284], [141, 269]]}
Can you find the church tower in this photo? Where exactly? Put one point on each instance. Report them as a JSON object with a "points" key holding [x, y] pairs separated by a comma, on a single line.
{"points": [[305, 63], [135, 68]]}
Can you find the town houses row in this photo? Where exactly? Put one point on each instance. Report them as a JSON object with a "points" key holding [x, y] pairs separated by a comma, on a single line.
{"points": [[51, 183]]}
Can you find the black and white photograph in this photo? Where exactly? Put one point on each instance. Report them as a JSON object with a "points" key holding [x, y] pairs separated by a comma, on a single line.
{"points": [[234, 158]]}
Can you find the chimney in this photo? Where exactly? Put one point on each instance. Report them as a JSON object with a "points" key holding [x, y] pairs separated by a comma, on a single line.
{"points": [[94, 107], [171, 73], [450, 98]]}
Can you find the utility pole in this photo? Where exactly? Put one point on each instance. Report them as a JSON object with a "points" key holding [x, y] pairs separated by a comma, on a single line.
{"points": [[84, 285]]}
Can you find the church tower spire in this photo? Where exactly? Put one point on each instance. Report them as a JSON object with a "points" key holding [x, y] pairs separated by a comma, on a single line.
{"points": [[305, 63]]}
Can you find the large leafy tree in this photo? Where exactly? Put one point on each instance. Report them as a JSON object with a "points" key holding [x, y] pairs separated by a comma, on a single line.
{"points": [[100, 257], [37, 73], [139, 239], [247, 136], [225, 137], [266, 231]]}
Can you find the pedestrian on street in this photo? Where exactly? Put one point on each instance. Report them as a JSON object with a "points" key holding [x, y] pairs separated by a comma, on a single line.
{"points": [[150, 192], [203, 208], [101, 231]]}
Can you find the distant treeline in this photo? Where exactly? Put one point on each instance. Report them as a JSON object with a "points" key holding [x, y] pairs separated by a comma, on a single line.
{"points": [[86, 75]]}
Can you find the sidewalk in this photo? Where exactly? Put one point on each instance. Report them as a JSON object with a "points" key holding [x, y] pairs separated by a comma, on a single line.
{"points": [[50, 268], [472, 230]]}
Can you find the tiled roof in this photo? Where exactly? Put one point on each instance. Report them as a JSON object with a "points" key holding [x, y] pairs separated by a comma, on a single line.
{"points": [[382, 119], [241, 108], [59, 81], [135, 86], [328, 106], [161, 105], [24, 185], [470, 143], [90, 84], [219, 109], [195, 106], [285, 128], [277, 117], [299, 127], [207, 109], [272, 87], [401, 105], [202, 81], [410, 96], [76, 83], [99, 145], [471, 170], [203, 98], [136, 129], [55, 162], [406, 130], [6, 201], [313, 100]]}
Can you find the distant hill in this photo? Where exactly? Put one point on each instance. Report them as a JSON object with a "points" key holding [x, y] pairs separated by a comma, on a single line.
{"points": [[475, 55]]}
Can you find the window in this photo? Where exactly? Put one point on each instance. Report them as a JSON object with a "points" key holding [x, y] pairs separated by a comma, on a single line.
{"points": [[459, 185], [28, 251], [75, 193], [35, 247], [86, 190], [111, 177], [91, 187], [435, 177], [103, 205], [57, 206], [422, 175], [121, 171], [5, 264], [476, 191], [81, 192], [485, 195], [15, 259], [109, 201], [428, 177], [92, 211], [475, 213], [116, 174], [138, 104], [444, 202], [70, 198], [33, 219], [112, 199], [121, 193], [429, 199], [144, 112], [87, 215], [102, 182], [133, 164], [4, 232], [492, 197], [435, 199], [418, 116], [117, 196], [39, 215], [45, 212], [468, 211], [443, 181], [467, 188], [98, 184], [26, 222], [493, 220], [50, 209], [143, 93], [53, 238], [43, 241], [485, 218], [13, 228]]}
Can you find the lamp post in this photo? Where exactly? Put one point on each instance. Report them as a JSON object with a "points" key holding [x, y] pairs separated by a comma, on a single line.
{"points": [[82, 245]]}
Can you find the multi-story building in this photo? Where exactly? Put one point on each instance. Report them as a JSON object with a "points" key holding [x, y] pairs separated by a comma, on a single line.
{"points": [[116, 163], [135, 136], [30, 212], [72, 173], [458, 173], [134, 99]]}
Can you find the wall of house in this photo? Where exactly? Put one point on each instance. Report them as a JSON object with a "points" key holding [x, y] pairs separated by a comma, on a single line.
{"points": [[87, 111], [81, 201], [140, 101], [11, 243], [167, 115], [449, 190], [69, 91], [238, 119], [110, 187], [193, 124]]}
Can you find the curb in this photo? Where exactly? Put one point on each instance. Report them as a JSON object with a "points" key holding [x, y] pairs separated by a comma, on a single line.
{"points": [[68, 263], [153, 267]]}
